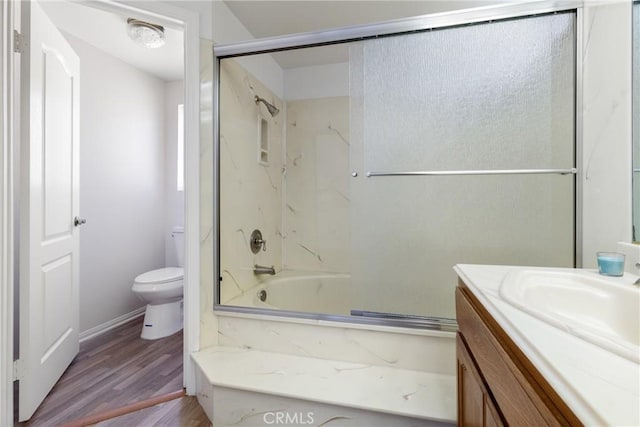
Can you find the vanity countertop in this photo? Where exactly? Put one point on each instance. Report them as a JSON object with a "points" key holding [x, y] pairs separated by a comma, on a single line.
{"points": [[600, 387]]}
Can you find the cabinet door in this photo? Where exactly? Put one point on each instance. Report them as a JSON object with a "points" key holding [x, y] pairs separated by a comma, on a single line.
{"points": [[470, 390], [491, 414]]}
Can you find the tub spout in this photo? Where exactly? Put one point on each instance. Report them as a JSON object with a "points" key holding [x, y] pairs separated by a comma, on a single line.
{"points": [[258, 269]]}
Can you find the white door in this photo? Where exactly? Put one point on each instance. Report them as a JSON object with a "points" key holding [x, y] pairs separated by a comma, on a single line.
{"points": [[49, 201]]}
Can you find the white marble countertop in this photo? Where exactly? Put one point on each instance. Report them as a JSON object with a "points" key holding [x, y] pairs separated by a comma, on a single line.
{"points": [[600, 387]]}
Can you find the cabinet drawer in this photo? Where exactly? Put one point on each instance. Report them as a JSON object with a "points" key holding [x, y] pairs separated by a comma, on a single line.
{"points": [[514, 391]]}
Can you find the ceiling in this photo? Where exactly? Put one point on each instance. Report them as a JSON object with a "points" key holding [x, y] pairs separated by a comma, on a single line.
{"points": [[108, 32], [263, 18], [266, 18]]}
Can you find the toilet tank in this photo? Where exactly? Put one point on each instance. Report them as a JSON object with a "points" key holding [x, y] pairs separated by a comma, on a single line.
{"points": [[177, 233]]}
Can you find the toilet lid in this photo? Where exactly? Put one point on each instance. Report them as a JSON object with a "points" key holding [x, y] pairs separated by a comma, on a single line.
{"points": [[162, 275]]}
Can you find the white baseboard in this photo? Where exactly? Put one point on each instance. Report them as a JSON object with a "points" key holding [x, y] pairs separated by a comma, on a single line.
{"points": [[111, 324]]}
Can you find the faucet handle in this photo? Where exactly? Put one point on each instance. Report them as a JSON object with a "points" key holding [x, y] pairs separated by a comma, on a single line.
{"points": [[256, 242], [637, 282]]}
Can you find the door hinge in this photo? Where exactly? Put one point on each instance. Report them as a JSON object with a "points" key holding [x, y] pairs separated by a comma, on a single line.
{"points": [[18, 42], [17, 370]]}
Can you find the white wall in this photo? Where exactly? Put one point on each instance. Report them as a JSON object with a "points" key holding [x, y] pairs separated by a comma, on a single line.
{"points": [[202, 8], [122, 182], [228, 29], [317, 81], [174, 199]]}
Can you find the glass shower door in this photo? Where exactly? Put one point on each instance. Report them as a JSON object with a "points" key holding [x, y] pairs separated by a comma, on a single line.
{"points": [[488, 112]]}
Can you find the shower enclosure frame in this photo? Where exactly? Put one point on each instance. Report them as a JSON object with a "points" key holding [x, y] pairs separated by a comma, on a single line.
{"points": [[389, 28]]}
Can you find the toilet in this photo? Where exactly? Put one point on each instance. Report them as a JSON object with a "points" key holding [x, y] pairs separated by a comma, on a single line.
{"points": [[162, 290]]}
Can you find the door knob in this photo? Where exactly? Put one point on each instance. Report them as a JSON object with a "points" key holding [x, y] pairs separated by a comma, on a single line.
{"points": [[77, 221]]}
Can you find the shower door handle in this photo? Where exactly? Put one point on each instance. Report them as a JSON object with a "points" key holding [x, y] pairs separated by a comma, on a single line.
{"points": [[77, 221]]}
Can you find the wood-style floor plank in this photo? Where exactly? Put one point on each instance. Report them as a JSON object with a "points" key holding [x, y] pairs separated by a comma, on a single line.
{"points": [[183, 412], [116, 369]]}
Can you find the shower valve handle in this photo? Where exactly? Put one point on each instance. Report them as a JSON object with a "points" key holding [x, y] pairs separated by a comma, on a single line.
{"points": [[260, 242], [256, 242]]}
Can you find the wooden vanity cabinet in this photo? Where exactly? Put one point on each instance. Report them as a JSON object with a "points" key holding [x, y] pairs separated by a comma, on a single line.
{"points": [[497, 384], [475, 405]]}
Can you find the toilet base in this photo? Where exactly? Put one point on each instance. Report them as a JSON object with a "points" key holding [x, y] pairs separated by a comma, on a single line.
{"points": [[162, 320]]}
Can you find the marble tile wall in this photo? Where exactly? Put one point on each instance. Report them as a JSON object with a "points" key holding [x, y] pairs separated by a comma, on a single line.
{"points": [[606, 127], [316, 214], [414, 349], [632, 256], [250, 192]]}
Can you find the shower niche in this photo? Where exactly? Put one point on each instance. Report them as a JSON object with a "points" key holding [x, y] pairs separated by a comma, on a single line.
{"points": [[263, 141], [389, 160]]}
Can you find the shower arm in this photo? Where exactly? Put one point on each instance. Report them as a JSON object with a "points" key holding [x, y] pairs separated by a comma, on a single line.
{"points": [[273, 110]]}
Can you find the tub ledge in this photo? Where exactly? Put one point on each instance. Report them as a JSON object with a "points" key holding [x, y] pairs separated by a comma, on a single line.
{"points": [[246, 387]]}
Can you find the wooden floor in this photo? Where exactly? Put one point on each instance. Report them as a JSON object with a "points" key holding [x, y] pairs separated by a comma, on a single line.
{"points": [[116, 369]]}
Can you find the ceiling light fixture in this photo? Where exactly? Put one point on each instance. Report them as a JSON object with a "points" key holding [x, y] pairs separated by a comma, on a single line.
{"points": [[145, 34]]}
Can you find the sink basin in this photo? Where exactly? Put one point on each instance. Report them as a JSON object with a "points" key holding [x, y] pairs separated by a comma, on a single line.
{"points": [[603, 311]]}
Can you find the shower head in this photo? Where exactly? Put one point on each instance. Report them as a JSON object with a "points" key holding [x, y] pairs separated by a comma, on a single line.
{"points": [[270, 107]]}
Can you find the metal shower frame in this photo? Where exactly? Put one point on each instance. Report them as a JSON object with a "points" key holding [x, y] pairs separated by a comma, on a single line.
{"points": [[389, 28]]}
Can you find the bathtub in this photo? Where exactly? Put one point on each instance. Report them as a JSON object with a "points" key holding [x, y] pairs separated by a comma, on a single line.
{"points": [[328, 293], [289, 350]]}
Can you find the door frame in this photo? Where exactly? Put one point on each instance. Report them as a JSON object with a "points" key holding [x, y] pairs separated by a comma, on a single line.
{"points": [[6, 214], [168, 14]]}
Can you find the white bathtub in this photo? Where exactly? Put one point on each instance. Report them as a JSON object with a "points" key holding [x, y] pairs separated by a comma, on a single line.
{"points": [[328, 293]]}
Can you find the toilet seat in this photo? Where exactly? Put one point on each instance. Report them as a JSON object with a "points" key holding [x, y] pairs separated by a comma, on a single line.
{"points": [[161, 275]]}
